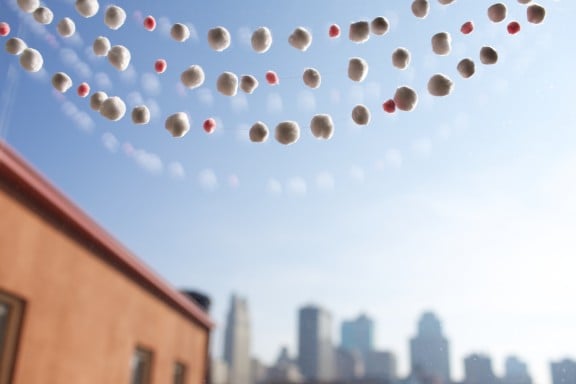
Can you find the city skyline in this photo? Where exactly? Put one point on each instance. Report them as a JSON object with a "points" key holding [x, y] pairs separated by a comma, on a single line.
{"points": [[318, 355]]}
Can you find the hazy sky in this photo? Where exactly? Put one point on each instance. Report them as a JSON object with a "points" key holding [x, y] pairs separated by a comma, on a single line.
{"points": [[465, 206]]}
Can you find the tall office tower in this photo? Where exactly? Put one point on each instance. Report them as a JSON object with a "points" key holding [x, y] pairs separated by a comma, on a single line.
{"points": [[478, 370], [429, 351], [237, 342], [564, 372], [315, 350], [358, 334], [516, 372]]}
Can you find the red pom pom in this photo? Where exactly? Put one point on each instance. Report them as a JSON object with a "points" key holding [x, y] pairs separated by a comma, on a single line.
{"points": [[467, 28], [83, 90], [513, 27], [272, 78], [334, 31], [160, 65], [150, 23], [4, 29], [209, 125], [389, 106]]}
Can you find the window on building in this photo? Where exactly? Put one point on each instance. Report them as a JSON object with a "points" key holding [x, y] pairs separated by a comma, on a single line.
{"points": [[179, 373], [11, 310], [141, 366]]}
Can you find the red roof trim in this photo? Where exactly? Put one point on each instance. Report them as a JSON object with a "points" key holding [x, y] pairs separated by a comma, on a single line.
{"points": [[35, 188]]}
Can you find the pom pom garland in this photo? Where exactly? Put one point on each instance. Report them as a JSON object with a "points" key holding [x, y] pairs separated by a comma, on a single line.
{"points": [[61, 82], [177, 124], [113, 108], [140, 115]]}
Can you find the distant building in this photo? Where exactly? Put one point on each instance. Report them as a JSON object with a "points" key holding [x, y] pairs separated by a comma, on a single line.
{"points": [[564, 372], [315, 349], [78, 307], [349, 365], [358, 334], [259, 371], [429, 353], [478, 370], [218, 372], [237, 342], [285, 370], [516, 372], [381, 365]]}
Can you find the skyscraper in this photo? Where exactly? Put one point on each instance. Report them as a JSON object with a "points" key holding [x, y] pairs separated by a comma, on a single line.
{"points": [[564, 372], [358, 334], [429, 353], [516, 372], [478, 370], [315, 349], [237, 342]]}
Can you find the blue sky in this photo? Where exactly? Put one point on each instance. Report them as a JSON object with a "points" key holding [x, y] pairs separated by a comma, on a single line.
{"points": [[466, 206]]}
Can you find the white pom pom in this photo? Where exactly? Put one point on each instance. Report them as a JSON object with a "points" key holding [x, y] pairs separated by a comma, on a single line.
{"points": [[43, 15], [258, 132], [66, 27], [97, 99], [227, 84], [61, 82], [114, 17], [28, 6], [15, 46], [359, 31], [361, 115], [87, 8], [405, 98], [420, 8], [180, 32], [440, 85], [113, 108], [192, 77], [497, 12], [322, 126], [535, 13], [357, 69], [119, 56], [379, 26], [248, 83], [101, 46], [287, 132], [466, 68], [441, 43], [177, 124], [219, 38], [488, 55], [311, 77], [261, 40], [401, 58], [300, 39], [31, 60], [140, 115]]}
